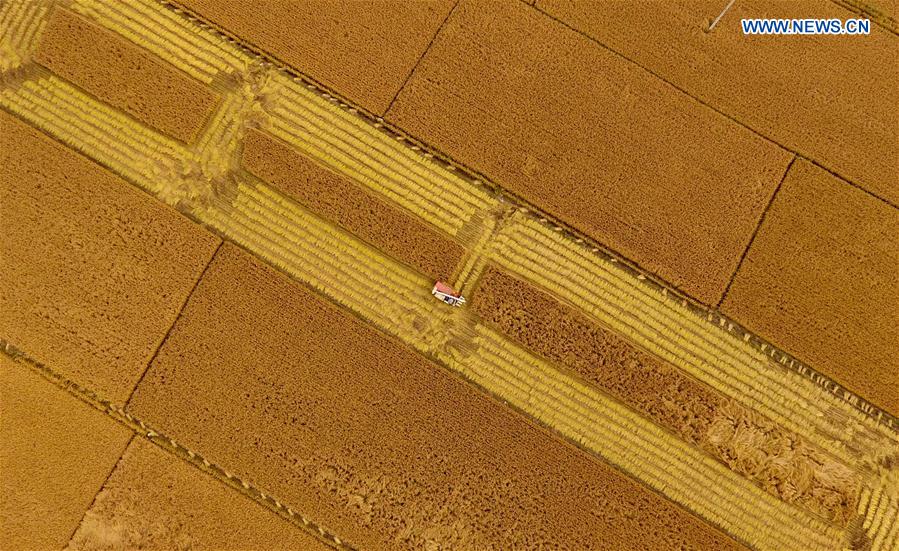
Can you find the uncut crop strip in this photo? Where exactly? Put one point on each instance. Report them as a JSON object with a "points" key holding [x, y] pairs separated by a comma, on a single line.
{"points": [[330, 260], [660, 325], [79, 120], [412, 148], [356, 275], [349, 273], [638, 446], [195, 51], [330, 134]]}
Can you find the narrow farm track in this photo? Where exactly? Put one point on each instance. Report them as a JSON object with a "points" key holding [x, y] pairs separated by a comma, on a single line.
{"points": [[201, 173]]}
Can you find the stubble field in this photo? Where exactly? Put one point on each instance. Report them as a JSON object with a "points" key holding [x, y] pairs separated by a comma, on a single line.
{"points": [[234, 271]]}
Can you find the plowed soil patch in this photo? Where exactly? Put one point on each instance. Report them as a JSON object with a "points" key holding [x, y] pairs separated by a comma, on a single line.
{"points": [[93, 272], [345, 202], [125, 75], [594, 140], [55, 453], [385, 448], [822, 279]]}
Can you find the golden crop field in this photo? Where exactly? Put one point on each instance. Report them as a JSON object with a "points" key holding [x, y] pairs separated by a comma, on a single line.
{"points": [[384, 284]]}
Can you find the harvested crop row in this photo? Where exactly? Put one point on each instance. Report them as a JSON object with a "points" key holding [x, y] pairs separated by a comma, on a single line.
{"points": [[389, 449], [777, 460], [722, 374], [217, 151], [360, 136], [20, 24], [55, 455], [124, 75], [638, 446], [198, 52], [281, 233], [448, 219], [94, 295], [364, 49], [373, 157], [332, 261], [663, 326], [110, 137], [878, 508], [799, 284], [340, 200], [594, 140], [155, 500]]}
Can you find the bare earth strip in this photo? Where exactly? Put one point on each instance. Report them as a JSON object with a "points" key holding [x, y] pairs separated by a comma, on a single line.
{"points": [[832, 99], [387, 448], [342, 201], [822, 276], [593, 139], [153, 500], [94, 272], [125, 75], [55, 454]]}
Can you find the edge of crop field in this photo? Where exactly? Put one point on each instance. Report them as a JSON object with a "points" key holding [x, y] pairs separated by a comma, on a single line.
{"points": [[138, 427], [713, 316]]}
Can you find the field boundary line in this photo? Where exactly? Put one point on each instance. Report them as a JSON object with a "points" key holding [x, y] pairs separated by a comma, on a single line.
{"points": [[885, 22], [755, 232], [654, 283], [422, 56], [174, 321], [707, 351], [139, 428], [102, 486], [715, 109]]}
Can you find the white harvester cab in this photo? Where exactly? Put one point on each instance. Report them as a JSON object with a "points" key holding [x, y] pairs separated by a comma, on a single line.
{"points": [[447, 294]]}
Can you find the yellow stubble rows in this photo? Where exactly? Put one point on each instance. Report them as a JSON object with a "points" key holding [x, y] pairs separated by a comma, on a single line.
{"points": [[20, 24], [115, 140], [329, 133], [641, 448], [660, 323], [396, 299], [198, 52], [879, 509]]}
